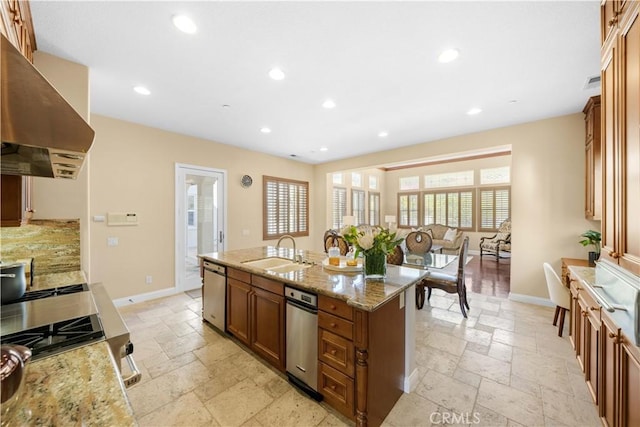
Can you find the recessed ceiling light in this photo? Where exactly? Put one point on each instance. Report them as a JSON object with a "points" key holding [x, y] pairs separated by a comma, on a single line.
{"points": [[328, 104], [448, 55], [184, 24], [324, 149], [265, 130], [513, 101], [276, 74], [474, 111], [383, 134], [142, 90]]}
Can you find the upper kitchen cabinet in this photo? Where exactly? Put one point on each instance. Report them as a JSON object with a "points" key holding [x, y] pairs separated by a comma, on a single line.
{"points": [[17, 26], [621, 134], [593, 160]]}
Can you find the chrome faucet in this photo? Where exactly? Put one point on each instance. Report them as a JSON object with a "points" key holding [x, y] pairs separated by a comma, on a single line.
{"points": [[287, 236]]}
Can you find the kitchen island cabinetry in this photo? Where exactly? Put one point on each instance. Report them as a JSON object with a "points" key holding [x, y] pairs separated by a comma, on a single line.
{"points": [[620, 65], [238, 302], [365, 361], [256, 314]]}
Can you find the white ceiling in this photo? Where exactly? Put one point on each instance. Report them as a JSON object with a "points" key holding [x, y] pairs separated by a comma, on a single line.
{"points": [[376, 60]]}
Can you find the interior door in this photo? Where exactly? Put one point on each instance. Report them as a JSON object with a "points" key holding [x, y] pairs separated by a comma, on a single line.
{"points": [[200, 220]]}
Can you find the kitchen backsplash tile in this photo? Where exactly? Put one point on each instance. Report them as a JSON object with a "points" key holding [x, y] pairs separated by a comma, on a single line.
{"points": [[53, 244]]}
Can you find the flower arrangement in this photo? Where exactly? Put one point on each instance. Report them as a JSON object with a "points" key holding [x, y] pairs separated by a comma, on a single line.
{"points": [[371, 240], [374, 243]]}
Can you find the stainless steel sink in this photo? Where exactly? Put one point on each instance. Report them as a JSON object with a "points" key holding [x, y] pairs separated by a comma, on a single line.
{"points": [[276, 264]]}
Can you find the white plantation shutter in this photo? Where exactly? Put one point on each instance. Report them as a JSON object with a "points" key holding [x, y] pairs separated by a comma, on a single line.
{"points": [[374, 208], [495, 207], [408, 209], [339, 207], [451, 208], [357, 206], [286, 207]]}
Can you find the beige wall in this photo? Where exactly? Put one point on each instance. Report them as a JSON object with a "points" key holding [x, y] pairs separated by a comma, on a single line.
{"points": [[133, 170], [547, 190], [61, 198]]}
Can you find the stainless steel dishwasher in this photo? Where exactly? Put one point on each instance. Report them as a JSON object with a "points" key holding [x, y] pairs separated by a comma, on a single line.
{"points": [[302, 340], [214, 294]]}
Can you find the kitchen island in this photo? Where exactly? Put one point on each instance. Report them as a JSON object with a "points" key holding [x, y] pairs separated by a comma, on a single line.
{"points": [[366, 338]]}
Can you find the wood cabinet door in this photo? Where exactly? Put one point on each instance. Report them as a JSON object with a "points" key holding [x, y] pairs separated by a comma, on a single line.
{"points": [[609, 153], [610, 335], [575, 321], [629, 244], [629, 384], [267, 327], [11, 192], [238, 309], [592, 356]]}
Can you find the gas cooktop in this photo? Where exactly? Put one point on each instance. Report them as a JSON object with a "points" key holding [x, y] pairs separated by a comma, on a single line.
{"points": [[52, 320]]}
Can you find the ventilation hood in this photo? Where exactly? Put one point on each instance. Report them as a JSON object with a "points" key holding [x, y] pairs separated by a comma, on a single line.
{"points": [[42, 135]]}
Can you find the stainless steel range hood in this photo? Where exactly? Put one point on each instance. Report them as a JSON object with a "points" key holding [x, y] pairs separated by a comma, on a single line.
{"points": [[42, 135]]}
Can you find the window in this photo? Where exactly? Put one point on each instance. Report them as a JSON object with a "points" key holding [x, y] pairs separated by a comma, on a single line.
{"points": [[410, 183], [337, 179], [374, 208], [452, 208], [356, 179], [357, 206], [408, 209], [286, 207], [494, 176], [449, 179], [373, 182], [339, 207], [495, 207]]}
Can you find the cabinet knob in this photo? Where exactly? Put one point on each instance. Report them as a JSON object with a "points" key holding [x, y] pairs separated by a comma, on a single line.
{"points": [[333, 352], [595, 308], [333, 307], [332, 387], [612, 335], [585, 314], [612, 21], [614, 254], [578, 288], [333, 325]]}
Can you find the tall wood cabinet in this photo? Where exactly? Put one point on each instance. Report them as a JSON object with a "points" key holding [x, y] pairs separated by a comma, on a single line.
{"points": [[620, 29], [593, 160]]}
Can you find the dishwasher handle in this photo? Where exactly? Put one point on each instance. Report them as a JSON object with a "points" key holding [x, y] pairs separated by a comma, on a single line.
{"points": [[302, 306], [215, 268]]}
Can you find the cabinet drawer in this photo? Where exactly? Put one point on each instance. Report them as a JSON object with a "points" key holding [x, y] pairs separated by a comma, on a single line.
{"points": [[268, 284], [589, 306], [339, 326], [337, 389], [336, 351], [239, 274], [335, 307]]}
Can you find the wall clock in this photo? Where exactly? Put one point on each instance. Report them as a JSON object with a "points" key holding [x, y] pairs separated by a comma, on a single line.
{"points": [[246, 181]]}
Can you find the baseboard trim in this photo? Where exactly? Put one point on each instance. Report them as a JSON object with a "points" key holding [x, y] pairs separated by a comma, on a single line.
{"points": [[120, 302], [411, 382], [531, 300]]}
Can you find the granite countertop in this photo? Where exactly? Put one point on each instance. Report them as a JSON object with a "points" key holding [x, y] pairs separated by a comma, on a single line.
{"points": [[363, 294], [54, 280], [77, 387]]}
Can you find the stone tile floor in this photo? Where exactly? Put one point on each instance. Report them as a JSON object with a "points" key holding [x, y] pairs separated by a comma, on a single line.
{"points": [[503, 366]]}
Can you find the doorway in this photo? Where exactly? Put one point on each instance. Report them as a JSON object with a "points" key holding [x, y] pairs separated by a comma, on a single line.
{"points": [[200, 220]]}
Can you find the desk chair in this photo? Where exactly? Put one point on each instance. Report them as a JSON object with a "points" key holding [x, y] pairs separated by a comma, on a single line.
{"points": [[559, 295]]}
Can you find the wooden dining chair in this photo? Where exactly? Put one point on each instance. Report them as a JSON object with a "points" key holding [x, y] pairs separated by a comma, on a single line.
{"points": [[451, 283]]}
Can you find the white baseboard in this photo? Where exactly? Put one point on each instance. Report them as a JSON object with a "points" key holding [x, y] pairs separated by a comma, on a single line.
{"points": [[145, 297], [531, 300], [411, 382]]}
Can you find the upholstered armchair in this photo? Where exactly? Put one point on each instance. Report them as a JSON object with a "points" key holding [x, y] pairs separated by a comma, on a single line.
{"points": [[499, 244]]}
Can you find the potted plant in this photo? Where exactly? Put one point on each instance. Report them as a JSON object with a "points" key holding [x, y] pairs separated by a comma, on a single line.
{"points": [[592, 237]]}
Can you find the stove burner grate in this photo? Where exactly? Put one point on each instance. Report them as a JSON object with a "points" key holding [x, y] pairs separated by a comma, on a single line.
{"points": [[45, 293], [59, 336]]}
